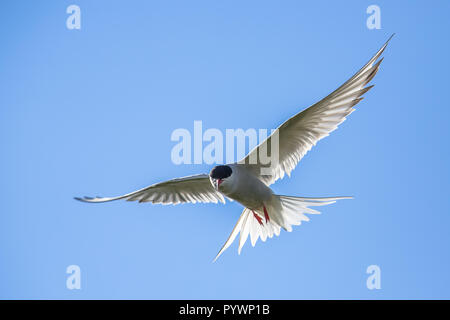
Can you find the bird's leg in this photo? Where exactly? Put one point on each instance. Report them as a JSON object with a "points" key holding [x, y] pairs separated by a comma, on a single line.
{"points": [[266, 215], [257, 217]]}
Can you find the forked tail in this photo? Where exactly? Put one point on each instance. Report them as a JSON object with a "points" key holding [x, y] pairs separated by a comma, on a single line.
{"points": [[280, 212]]}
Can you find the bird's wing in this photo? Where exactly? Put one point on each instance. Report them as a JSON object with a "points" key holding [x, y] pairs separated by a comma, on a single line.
{"points": [[297, 135], [192, 189]]}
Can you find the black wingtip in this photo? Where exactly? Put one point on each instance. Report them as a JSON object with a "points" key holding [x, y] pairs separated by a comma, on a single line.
{"points": [[392, 35], [84, 199]]}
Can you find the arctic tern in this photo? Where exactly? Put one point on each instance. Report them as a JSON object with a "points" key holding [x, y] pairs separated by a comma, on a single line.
{"points": [[265, 212]]}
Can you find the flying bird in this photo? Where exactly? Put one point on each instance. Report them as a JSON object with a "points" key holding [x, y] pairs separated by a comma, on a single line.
{"points": [[248, 181]]}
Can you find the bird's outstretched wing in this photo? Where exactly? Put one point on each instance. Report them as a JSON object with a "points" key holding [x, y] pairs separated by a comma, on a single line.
{"points": [[300, 133], [191, 189]]}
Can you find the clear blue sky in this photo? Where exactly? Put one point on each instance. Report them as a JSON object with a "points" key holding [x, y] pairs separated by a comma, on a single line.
{"points": [[91, 111]]}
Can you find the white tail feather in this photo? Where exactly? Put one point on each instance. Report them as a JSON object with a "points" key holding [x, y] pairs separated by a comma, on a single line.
{"points": [[283, 211]]}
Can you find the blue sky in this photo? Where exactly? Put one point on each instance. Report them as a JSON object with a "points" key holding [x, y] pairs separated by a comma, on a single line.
{"points": [[91, 111]]}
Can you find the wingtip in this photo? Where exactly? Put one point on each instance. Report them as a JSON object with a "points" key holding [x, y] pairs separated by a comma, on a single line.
{"points": [[84, 199], [378, 54], [389, 39], [387, 42], [217, 256], [392, 35]]}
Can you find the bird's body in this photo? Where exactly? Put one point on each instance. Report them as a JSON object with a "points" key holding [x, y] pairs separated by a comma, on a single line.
{"points": [[248, 181], [245, 188]]}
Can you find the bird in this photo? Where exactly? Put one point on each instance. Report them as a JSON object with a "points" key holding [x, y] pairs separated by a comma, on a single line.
{"points": [[248, 181]]}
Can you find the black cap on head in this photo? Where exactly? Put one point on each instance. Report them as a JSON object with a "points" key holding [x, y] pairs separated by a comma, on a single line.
{"points": [[220, 172]]}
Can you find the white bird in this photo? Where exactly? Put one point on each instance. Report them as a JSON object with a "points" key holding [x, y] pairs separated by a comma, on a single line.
{"points": [[265, 212]]}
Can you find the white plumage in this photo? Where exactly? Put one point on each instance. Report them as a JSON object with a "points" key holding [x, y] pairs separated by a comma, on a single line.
{"points": [[265, 213]]}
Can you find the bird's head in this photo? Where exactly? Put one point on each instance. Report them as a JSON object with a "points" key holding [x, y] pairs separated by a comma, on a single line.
{"points": [[219, 176]]}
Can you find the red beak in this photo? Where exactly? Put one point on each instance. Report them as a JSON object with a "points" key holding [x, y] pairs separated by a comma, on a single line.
{"points": [[219, 181]]}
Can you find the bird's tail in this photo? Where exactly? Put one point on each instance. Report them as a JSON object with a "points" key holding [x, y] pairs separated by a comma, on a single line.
{"points": [[280, 212]]}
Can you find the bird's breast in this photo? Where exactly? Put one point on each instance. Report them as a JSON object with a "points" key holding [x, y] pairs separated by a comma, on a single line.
{"points": [[247, 190]]}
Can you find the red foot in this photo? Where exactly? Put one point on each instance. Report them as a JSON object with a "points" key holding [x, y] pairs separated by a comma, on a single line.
{"points": [[257, 218], [266, 215]]}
